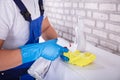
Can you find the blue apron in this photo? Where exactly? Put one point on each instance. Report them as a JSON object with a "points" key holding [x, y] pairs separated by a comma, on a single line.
{"points": [[20, 72]]}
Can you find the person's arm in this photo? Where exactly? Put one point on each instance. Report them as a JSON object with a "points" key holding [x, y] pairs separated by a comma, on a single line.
{"points": [[48, 31], [9, 58], [27, 53]]}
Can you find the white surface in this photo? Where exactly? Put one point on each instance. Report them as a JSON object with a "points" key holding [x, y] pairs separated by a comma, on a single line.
{"points": [[105, 67]]}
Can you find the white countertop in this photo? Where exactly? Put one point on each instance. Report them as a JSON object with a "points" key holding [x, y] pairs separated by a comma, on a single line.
{"points": [[105, 67]]}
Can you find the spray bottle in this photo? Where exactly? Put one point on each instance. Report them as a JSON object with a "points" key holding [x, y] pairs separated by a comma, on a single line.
{"points": [[40, 68], [79, 35]]}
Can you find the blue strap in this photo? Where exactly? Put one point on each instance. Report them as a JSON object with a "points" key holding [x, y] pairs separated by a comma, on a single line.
{"points": [[41, 7], [23, 10]]}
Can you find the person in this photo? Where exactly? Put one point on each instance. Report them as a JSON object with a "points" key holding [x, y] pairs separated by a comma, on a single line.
{"points": [[22, 22]]}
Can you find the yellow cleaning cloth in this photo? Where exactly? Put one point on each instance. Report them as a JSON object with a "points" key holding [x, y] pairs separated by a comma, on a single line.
{"points": [[80, 59]]}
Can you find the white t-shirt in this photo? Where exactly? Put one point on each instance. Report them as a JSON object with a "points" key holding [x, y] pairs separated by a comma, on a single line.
{"points": [[13, 27]]}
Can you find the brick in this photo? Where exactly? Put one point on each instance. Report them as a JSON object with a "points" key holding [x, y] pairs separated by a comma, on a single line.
{"points": [[60, 33], [114, 37], [74, 19], [92, 39], [58, 16], [66, 11], [67, 4], [107, 7], [50, 15], [67, 36], [115, 17], [60, 22], [69, 18], [54, 10], [81, 5], [61, 5], [49, 4], [80, 12], [119, 7], [73, 39], [100, 33], [113, 27], [72, 11], [60, 11], [56, 4], [89, 22], [68, 24], [108, 45], [105, 48], [64, 17], [53, 20], [70, 31], [88, 30], [56, 26], [119, 49], [93, 43], [91, 5], [63, 29], [100, 16], [89, 14], [75, 5], [99, 24]]}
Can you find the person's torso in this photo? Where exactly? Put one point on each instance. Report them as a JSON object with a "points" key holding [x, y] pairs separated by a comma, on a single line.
{"points": [[19, 33]]}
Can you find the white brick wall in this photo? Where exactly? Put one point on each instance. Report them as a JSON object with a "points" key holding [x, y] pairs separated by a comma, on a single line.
{"points": [[81, 5], [108, 7], [88, 30], [100, 33], [66, 11], [67, 36], [100, 16], [115, 17], [68, 24], [74, 19], [72, 11], [89, 14], [91, 5], [89, 22], [75, 5], [80, 12], [112, 27], [101, 19], [92, 39], [114, 37], [99, 24], [67, 4], [119, 7], [109, 45], [60, 22]]}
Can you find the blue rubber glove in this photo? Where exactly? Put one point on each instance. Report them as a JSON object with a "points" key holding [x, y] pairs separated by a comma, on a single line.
{"points": [[64, 58], [48, 50]]}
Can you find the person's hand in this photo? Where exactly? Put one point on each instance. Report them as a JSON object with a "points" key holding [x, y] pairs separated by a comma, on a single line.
{"points": [[48, 50], [64, 58]]}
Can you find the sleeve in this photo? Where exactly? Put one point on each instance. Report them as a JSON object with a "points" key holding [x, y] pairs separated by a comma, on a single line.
{"points": [[6, 18]]}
